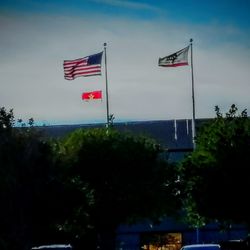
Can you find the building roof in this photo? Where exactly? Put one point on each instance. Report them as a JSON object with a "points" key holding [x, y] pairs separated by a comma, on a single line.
{"points": [[174, 135]]}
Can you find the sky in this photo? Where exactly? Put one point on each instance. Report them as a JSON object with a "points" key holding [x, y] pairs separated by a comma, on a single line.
{"points": [[38, 35]]}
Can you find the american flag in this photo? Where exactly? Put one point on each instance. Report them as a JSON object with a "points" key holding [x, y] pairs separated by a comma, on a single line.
{"points": [[86, 66]]}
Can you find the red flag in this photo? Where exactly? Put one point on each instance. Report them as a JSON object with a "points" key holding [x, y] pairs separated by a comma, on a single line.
{"points": [[92, 95]]}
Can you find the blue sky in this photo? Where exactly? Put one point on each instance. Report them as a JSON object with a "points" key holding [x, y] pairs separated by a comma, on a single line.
{"points": [[37, 35]]}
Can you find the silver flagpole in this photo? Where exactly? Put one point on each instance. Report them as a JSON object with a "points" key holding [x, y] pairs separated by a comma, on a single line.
{"points": [[106, 77], [192, 73]]}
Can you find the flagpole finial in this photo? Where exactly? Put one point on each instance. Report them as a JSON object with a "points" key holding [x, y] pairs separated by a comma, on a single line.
{"points": [[191, 40]]}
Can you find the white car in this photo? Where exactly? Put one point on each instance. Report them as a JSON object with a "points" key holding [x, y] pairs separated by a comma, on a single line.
{"points": [[201, 247], [53, 247]]}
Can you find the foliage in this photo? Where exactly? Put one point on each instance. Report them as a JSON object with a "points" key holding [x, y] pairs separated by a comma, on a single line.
{"points": [[31, 194], [75, 189], [215, 176], [124, 173]]}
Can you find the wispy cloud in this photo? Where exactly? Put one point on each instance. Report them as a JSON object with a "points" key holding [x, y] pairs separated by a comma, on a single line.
{"points": [[34, 46], [127, 4]]}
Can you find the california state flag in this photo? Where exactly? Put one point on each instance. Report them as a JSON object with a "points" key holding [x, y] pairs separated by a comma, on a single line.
{"points": [[179, 58], [92, 95]]}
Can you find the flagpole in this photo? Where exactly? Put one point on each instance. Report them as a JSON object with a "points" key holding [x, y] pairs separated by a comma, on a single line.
{"points": [[193, 102], [106, 77]]}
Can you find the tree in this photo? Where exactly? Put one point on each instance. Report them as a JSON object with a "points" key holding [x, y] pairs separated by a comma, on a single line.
{"points": [[32, 196], [215, 177], [125, 175]]}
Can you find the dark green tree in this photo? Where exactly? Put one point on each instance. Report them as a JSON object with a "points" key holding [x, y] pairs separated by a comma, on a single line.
{"points": [[215, 177], [125, 175], [32, 193]]}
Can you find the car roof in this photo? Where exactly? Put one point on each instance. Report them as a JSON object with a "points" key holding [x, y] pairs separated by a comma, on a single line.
{"points": [[55, 246], [211, 246]]}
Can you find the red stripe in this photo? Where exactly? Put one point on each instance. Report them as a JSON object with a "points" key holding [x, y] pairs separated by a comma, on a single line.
{"points": [[76, 61], [71, 73], [81, 67], [73, 76], [175, 65], [82, 72]]}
